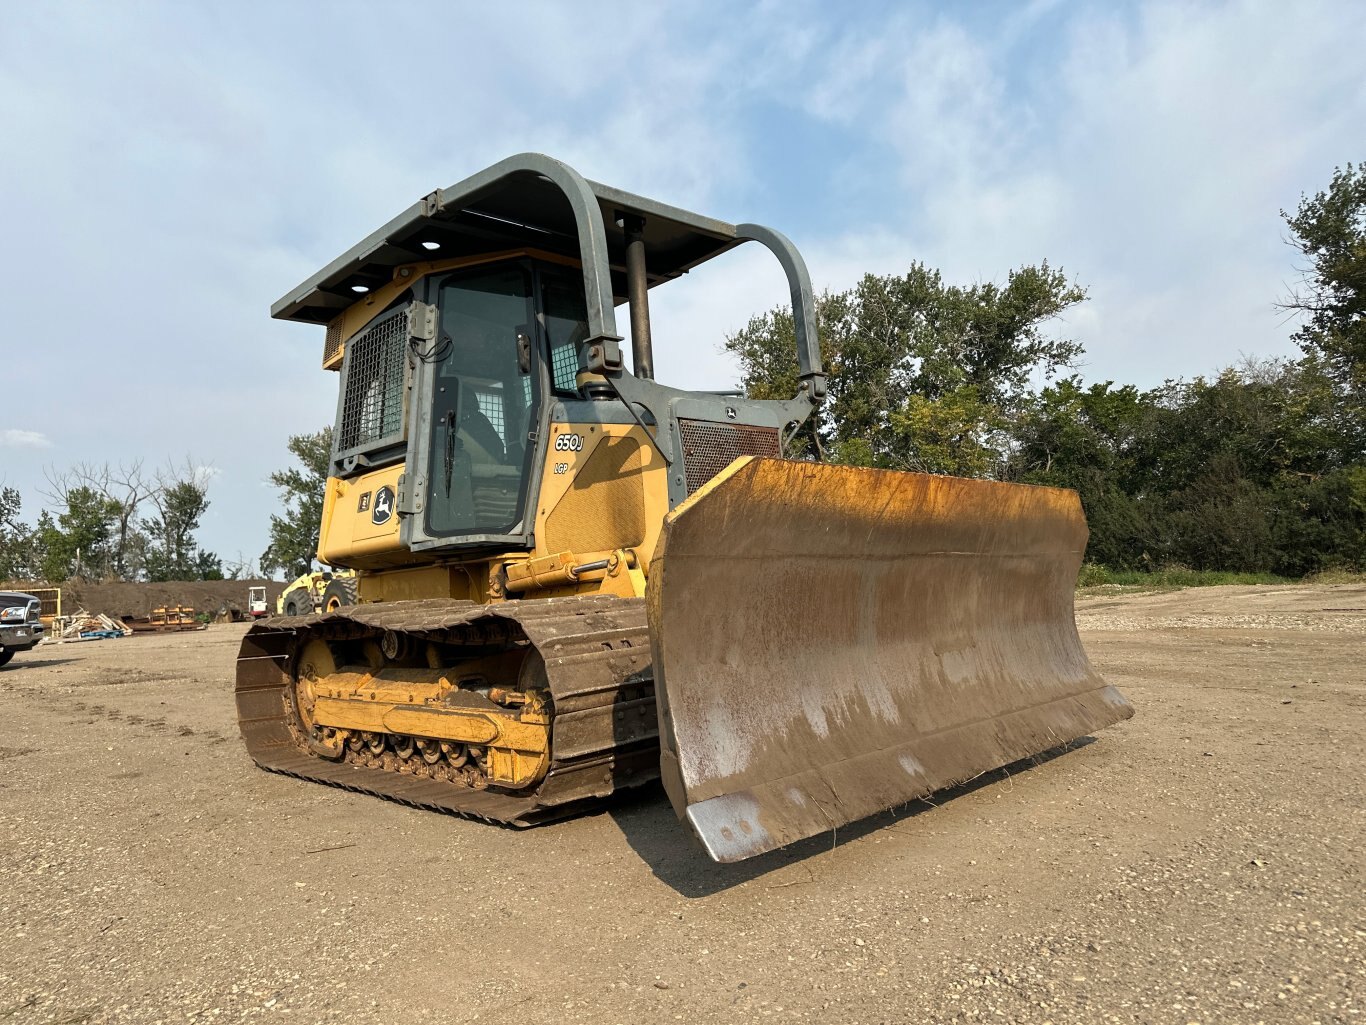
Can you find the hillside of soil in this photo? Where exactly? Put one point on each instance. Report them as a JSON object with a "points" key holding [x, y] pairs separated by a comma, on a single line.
{"points": [[119, 599]]}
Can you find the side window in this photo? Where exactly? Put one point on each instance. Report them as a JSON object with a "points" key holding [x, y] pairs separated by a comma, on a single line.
{"points": [[566, 326]]}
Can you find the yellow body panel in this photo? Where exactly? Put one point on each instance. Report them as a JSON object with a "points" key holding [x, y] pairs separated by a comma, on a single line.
{"points": [[444, 580], [604, 488], [349, 535], [603, 496]]}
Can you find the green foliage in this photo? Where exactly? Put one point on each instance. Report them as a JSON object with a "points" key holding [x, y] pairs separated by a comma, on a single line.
{"points": [[922, 374], [1255, 471], [172, 553], [954, 433], [1170, 578], [1260, 471], [1329, 229], [95, 534], [294, 536], [18, 551], [78, 543]]}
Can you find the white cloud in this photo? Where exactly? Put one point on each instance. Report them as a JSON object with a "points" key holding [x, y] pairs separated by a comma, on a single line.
{"points": [[11, 437], [1147, 151]]}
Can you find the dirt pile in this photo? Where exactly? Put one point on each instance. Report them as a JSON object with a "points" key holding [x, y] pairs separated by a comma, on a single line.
{"points": [[119, 599]]}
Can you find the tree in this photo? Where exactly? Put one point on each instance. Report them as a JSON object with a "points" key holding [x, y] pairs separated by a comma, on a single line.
{"points": [[18, 552], [77, 543], [1249, 471], [1329, 230], [1262, 472], [922, 375], [127, 488], [294, 536], [1095, 440], [240, 568], [172, 553]]}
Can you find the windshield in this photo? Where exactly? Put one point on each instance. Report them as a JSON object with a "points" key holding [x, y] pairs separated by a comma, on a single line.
{"points": [[483, 404]]}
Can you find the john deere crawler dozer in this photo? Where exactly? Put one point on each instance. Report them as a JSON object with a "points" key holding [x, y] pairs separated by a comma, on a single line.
{"points": [[574, 579]]}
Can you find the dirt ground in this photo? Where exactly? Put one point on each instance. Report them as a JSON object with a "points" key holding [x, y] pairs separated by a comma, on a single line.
{"points": [[1203, 862]]}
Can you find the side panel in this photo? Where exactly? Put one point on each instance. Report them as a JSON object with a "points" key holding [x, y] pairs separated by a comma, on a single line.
{"points": [[360, 521], [448, 580], [604, 487]]}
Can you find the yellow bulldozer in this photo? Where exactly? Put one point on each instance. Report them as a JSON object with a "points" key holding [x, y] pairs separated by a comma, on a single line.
{"points": [[574, 579]]}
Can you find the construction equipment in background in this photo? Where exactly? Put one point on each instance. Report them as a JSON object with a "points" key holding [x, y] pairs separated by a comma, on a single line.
{"points": [[167, 619], [318, 591], [257, 606], [574, 579]]}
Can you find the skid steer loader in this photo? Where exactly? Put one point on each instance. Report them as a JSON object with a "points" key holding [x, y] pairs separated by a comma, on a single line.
{"points": [[574, 579]]}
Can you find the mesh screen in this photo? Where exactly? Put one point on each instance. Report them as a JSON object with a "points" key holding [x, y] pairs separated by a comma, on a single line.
{"points": [[491, 405], [372, 408], [564, 366], [708, 448]]}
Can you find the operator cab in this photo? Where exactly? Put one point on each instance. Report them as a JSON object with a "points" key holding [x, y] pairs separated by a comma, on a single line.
{"points": [[481, 320], [505, 335]]}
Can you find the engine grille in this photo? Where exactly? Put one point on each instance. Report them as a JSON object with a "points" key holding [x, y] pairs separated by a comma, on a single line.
{"points": [[708, 448], [375, 375]]}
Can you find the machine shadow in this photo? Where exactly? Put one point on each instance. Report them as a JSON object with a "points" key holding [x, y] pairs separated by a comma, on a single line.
{"points": [[19, 664], [648, 823]]}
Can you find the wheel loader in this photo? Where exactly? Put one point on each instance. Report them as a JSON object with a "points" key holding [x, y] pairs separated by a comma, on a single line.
{"points": [[317, 591], [575, 579]]}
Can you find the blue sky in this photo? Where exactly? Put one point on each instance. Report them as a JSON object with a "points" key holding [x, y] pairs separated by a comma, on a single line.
{"points": [[169, 170]]}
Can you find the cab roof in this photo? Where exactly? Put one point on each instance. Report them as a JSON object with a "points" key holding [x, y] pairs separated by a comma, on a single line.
{"points": [[517, 208]]}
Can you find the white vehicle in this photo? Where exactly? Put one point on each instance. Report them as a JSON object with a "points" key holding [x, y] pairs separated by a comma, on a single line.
{"points": [[256, 603]]}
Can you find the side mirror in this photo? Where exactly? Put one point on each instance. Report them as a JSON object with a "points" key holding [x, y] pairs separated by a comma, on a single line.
{"points": [[523, 352]]}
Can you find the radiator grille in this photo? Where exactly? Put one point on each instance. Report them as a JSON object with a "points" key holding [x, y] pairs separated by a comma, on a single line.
{"points": [[376, 371], [708, 448]]}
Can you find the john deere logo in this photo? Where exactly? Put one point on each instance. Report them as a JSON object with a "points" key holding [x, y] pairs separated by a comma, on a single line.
{"points": [[384, 506]]}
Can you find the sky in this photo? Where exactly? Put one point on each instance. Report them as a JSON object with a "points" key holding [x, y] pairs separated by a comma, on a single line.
{"points": [[167, 171]]}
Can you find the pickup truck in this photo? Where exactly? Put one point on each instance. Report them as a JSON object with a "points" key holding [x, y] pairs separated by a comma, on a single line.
{"points": [[20, 627]]}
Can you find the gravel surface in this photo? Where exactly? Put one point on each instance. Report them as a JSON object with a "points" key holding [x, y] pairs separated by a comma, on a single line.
{"points": [[1202, 862]]}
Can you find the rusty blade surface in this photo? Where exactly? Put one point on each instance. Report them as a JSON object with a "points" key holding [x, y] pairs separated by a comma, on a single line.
{"points": [[830, 642]]}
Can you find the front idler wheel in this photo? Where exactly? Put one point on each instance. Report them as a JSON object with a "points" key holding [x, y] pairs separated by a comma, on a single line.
{"points": [[316, 664]]}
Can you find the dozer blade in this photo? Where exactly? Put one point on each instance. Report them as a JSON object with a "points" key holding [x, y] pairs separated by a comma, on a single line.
{"points": [[830, 642]]}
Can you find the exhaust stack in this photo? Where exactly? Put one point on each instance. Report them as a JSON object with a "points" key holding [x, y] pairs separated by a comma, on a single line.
{"points": [[642, 349]]}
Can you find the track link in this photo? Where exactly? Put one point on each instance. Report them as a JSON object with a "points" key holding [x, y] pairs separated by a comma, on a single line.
{"points": [[604, 733]]}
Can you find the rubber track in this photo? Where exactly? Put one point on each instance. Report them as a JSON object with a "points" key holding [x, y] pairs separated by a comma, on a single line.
{"points": [[604, 735]]}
